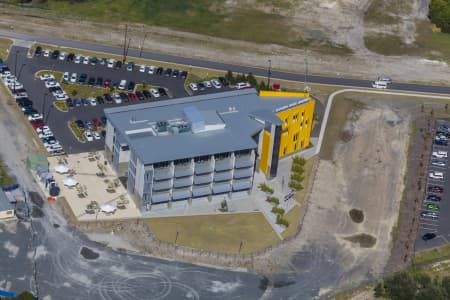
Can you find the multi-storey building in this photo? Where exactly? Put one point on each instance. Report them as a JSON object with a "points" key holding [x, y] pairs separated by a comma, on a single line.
{"points": [[204, 145]]}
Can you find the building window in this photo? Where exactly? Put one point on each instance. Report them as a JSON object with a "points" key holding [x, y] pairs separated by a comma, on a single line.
{"points": [[284, 150], [163, 164], [183, 161], [295, 137], [286, 120], [301, 144], [306, 123], [301, 124], [295, 117], [222, 155], [204, 158], [295, 146], [303, 114]]}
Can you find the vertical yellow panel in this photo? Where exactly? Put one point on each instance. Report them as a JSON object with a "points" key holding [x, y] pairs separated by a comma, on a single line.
{"points": [[265, 153], [300, 126]]}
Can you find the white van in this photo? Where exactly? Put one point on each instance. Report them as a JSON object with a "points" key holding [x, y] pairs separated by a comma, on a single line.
{"points": [[386, 79], [122, 84], [379, 84]]}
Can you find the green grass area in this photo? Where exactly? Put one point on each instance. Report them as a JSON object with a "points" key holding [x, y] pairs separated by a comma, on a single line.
{"points": [[77, 132], [429, 44], [76, 90], [221, 233], [430, 256], [58, 75], [5, 179], [61, 106], [5, 44]]}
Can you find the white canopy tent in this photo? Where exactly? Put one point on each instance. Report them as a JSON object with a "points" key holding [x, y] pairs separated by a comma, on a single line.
{"points": [[70, 181], [62, 169], [108, 208]]}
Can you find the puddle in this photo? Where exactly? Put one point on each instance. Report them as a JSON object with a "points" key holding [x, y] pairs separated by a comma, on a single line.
{"points": [[56, 225], [356, 215], [364, 240], [89, 253]]}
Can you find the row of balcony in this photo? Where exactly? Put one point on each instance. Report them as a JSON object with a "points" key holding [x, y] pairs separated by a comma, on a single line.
{"points": [[200, 191], [199, 168], [202, 179]]}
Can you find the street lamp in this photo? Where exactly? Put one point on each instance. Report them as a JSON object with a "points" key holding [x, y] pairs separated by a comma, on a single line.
{"points": [[15, 71], [269, 73], [43, 103], [48, 113]]}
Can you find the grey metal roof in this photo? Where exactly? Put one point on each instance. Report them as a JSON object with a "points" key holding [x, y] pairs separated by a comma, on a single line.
{"points": [[4, 202], [236, 109]]}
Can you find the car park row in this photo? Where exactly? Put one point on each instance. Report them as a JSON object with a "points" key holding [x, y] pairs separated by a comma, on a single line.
{"points": [[26, 105], [433, 203]]}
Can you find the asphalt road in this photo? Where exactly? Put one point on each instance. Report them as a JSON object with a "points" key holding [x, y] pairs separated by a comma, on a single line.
{"points": [[222, 66], [440, 226]]}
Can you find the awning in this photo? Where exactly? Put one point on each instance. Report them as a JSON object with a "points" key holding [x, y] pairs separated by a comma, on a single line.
{"points": [[61, 169]]}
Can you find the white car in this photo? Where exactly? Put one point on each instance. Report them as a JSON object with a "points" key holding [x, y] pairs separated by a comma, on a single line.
{"points": [[207, 83], [20, 95], [96, 135], [243, 85], [438, 163], [88, 136], [379, 84], [47, 53], [215, 83], [142, 68], [51, 83], [16, 86], [111, 63], [66, 76], [61, 96], [45, 77], [43, 129], [35, 117], [151, 70], [386, 79], [193, 86], [117, 98], [92, 101], [73, 77], [436, 175], [6, 74], [78, 59], [122, 84], [439, 154], [62, 56], [154, 93], [86, 60]]}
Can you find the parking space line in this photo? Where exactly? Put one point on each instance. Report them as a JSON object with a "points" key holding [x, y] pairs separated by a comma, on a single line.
{"points": [[428, 224], [429, 229], [444, 238]]}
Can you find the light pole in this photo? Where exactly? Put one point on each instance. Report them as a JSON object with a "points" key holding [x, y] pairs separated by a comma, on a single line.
{"points": [[15, 71], [48, 114], [306, 65], [141, 46], [44, 101], [269, 73]]}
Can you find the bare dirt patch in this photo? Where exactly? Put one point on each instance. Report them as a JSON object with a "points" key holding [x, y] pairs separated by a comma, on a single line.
{"points": [[356, 215]]}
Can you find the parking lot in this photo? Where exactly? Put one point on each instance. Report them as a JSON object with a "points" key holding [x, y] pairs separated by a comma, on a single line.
{"points": [[26, 69], [434, 224]]}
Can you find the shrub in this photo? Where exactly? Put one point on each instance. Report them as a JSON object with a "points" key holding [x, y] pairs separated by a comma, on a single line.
{"points": [[297, 169], [282, 221], [297, 177], [440, 14], [298, 160], [265, 188], [273, 200], [295, 185], [278, 210]]}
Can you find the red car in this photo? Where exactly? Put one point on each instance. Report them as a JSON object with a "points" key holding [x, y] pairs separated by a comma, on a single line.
{"points": [[37, 123], [132, 96], [435, 189], [140, 96], [96, 122], [106, 83]]}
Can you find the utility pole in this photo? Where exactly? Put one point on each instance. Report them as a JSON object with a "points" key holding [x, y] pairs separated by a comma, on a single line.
{"points": [[306, 65], [124, 58], [141, 46], [128, 47], [269, 73], [43, 104]]}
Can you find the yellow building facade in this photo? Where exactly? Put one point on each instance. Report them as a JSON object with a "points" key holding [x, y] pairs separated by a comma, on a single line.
{"points": [[290, 135]]}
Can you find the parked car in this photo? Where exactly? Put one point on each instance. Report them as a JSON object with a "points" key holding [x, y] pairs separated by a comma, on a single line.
{"points": [[62, 56], [99, 82], [386, 79], [86, 60], [155, 93], [91, 81], [243, 85], [45, 77], [118, 65], [73, 77], [96, 135], [207, 83], [146, 94], [108, 98], [76, 102], [441, 142], [435, 189], [439, 154], [80, 124], [168, 72], [70, 57], [151, 70], [88, 136], [103, 120], [117, 98], [140, 96], [132, 96], [66, 76], [96, 122], [38, 51], [175, 73], [122, 84], [93, 102], [142, 68], [438, 163], [111, 63], [429, 214], [131, 86], [103, 61], [55, 54], [183, 74], [84, 101], [82, 79], [201, 86], [193, 86], [130, 66], [78, 59], [124, 97], [106, 83], [162, 91], [428, 236], [433, 207], [159, 71], [93, 61], [216, 83], [35, 117], [436, 175]]}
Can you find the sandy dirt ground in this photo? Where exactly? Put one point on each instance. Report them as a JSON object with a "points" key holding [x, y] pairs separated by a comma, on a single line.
{"points": [[340, 21], [361, 175]]}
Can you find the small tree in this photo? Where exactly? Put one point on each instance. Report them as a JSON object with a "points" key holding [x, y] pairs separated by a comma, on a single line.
{"points": [[144, 84], [262, 86], [230, 77], [224, 205], [74, 93], [252, 80]]}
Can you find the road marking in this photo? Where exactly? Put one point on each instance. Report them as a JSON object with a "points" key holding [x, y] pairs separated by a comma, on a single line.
{"points": [[444, 238], [429, 229]]}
